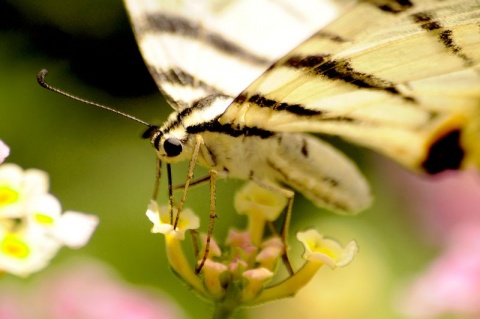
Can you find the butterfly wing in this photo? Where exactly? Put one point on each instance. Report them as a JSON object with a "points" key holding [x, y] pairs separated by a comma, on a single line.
{"points": [[401, 78], [194, 49]]}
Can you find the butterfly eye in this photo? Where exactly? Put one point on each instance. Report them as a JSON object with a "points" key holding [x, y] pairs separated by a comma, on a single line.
{"points": [[172, 146]]}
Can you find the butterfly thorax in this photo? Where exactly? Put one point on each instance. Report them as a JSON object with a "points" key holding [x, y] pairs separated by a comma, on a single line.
{"points": [[175, 140], [224, 147]]}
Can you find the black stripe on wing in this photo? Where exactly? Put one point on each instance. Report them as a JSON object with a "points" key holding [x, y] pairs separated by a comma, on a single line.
{"points": [[295, 109], [180, 76], [216, 127], [183, 78], [179, 120], [434, 27], [330, 36], [262, 101], [168, 23], [393, 6], [341, 70]]}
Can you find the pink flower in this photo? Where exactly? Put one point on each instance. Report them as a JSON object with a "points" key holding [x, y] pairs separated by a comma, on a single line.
{"points": [[451, 284], [4, 151], [86, 290], [441, 202], [447, 208], [11, 303], [241, 244]]}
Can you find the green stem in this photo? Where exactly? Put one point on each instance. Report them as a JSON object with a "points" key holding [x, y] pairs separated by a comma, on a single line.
{"points": [[223, 311], [226, 307], [256, 227], [290, 286]]}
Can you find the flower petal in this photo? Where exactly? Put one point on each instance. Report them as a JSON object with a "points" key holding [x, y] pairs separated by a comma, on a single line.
{"points": [[25, 252], [4, 151], [327, 251], [256, 280], [253, 199], [17, 187], [74, 229], [213, 275], [160, 217], [43, 210], [272, 249]]}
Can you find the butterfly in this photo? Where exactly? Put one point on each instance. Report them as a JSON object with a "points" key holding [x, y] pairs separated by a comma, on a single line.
{"points": [[247, 80]]}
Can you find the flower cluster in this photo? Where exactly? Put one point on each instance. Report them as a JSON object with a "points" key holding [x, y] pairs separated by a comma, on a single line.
{"points": [[32, 226], [66, 291], [241, 272]]}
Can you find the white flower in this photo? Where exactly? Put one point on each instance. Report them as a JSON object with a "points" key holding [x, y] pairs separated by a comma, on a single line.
{"points": [[26, 250], [42, 210], [17, 187], [32, 226], [160, 217], [326, 251], [74, 229]]}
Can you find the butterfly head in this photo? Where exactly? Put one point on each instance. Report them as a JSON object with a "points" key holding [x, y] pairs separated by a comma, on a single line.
{"points": [[170, 146]]}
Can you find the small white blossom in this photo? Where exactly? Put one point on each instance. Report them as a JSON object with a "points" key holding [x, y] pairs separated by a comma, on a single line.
{"points": [[327, 251], [26, 251], [160, 217], [17, 187], [32, 226], [74, 229]]}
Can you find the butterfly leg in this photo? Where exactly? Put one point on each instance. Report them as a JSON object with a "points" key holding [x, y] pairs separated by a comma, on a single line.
{"points": [[212, 216], [158, 175], [194, 233], [191, 168], [289, 194], [212, 179], [195, 182]]}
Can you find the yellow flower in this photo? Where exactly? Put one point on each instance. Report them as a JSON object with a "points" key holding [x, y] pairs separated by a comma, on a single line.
{"points": [[260, 205], [160, 217], [326, 251], [239, 272], [318, 251]]}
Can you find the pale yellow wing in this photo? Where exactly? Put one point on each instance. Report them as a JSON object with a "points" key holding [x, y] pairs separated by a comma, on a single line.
{"points": [[400, 77]]}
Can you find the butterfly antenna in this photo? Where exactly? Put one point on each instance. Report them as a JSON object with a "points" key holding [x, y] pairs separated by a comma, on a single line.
{"points": [[41, 80]]}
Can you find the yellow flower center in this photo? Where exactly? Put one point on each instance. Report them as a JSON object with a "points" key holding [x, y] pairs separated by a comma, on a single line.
{"points": [[326, 251], [43, 219], [264, 199], [14, 247], [7, 195]]}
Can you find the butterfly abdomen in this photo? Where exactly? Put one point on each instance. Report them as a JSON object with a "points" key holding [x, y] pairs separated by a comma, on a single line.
{"points": [[321, 173], [299, 161]]}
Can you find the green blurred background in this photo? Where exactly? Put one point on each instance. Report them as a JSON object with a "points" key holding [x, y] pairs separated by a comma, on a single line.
{"points": [[98, 164]]}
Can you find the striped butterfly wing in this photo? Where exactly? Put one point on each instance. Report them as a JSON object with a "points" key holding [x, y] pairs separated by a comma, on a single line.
{"points": [[204, 51], [194, 49], [400, 77]]}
